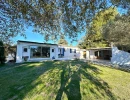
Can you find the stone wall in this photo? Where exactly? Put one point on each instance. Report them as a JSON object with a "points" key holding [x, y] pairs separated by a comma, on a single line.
{"points": [[120, 57]]}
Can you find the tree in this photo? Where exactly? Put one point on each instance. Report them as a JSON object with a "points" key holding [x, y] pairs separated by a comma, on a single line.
{"points": [[62, 41], [2, 56], [50, 17], [94, 37], [118, 32], [10, 49]]}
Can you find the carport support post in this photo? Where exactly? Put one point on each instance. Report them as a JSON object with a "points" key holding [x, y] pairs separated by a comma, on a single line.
{"points": [[98, 53]]}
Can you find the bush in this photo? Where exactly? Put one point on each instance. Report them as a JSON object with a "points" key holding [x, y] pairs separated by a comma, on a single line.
{"points": [[2, 55]]}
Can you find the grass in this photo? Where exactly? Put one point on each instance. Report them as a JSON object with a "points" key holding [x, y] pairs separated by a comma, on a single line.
{"points": [[63, 80]]}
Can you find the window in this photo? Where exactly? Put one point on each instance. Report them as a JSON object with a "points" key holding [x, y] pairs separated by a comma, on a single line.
{"points": [[64, 49], [39, 52], [35, 51], [52, 50], [74, 50], [45, 52], [96, 53], [25, 50], [70, 50], [59, 50]]}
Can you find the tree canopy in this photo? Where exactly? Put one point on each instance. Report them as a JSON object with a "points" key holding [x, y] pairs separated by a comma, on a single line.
{"points": [[118, 32], [50, 17], [62, 41], [94, 36]]}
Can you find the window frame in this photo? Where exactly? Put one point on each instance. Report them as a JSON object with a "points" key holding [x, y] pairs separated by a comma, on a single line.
{"points": [[41, 51]]}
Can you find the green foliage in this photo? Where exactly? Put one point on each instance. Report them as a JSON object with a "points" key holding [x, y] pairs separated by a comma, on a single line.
{"points": [[50, 17], [118, 32], [62, 41], [2, 56], [94, 37]]}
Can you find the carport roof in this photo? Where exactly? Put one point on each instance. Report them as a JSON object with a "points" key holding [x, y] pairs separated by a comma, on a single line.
{"points": [[100, 48]]}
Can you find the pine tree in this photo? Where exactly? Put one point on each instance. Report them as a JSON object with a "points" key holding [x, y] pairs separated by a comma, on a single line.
{"points": [[94, 36], [62, 41]]}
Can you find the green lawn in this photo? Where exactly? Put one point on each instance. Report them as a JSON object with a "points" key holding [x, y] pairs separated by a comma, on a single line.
{"points": [[63, 80]]}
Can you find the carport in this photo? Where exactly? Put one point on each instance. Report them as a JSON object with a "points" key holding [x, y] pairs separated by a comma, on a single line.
{"points": [[99, 53]]}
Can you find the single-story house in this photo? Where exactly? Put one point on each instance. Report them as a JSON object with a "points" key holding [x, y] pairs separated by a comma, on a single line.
{"points": [[35, 51]]}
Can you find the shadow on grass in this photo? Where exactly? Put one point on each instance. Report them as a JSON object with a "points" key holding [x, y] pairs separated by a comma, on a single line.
{"points": [[24, 79], [72, 89], [70, 84], [18, 80]]}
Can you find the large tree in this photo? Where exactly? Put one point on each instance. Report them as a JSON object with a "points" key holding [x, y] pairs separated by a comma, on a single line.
{"points": [[62, 41], [50, 17], [118, 32], [94, 36]]}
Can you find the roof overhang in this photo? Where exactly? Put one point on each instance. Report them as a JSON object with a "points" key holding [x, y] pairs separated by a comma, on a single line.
{"points": [[102, 48], [20, 41]]}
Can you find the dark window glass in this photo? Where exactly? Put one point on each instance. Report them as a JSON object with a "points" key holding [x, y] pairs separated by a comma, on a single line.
{"points": [[35, 51], [70, 50], [74, 50], [45, 52], [100, 53], [128, 51], [39, 52], [52, 50], [25, 49], [96, 53], [64, 49]]}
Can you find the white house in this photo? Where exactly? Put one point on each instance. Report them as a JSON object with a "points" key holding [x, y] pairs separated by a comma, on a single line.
{"points": [[34, 51]]}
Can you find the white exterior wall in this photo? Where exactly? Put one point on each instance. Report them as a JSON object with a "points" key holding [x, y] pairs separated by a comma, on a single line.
{"points": [[81, 54], [120, 57], [67, 55], [20, 52], [90, 54]]}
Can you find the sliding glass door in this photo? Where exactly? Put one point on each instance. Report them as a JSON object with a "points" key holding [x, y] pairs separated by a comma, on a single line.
{"points": [[39, 52], [45, 52]]}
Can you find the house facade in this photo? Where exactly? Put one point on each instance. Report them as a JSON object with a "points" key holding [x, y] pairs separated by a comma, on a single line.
{"points": [[34, 51]]}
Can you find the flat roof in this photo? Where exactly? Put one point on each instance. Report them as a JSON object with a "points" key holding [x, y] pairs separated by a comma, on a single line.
{"points": [[35, 42], [67, 46], [100, 48]]}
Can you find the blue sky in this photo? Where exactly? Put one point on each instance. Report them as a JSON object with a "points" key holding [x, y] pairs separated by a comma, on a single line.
{"points": [[31, 36]]}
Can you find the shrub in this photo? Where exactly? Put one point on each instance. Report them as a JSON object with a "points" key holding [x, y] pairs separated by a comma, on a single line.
{"points": [[2, 55]]}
